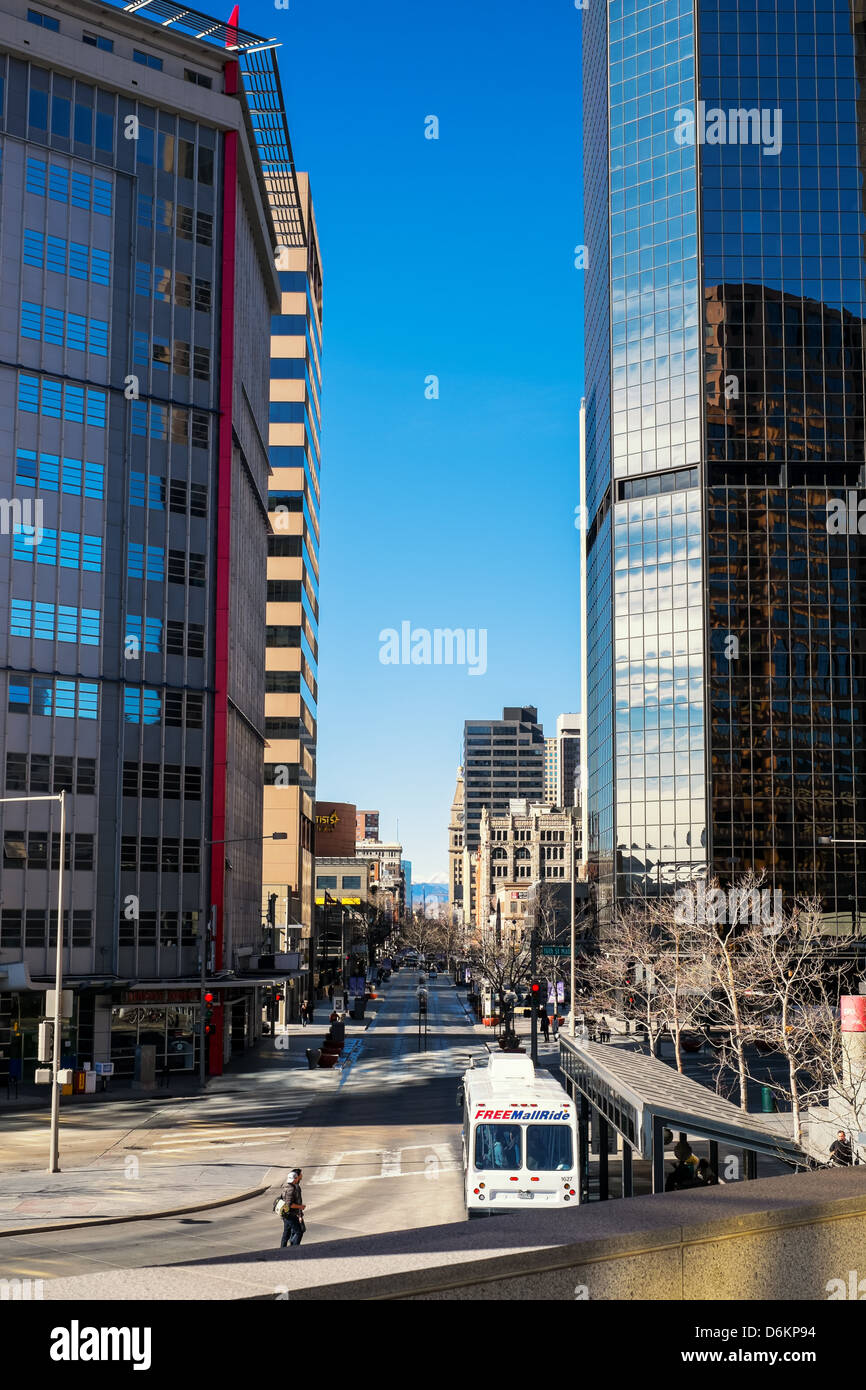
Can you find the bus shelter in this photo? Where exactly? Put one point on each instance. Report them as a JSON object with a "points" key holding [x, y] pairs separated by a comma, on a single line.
{"points": [[639, 1097]]}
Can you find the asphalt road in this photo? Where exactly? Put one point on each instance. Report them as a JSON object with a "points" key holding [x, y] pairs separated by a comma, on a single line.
{"points": [[379, 1144]]}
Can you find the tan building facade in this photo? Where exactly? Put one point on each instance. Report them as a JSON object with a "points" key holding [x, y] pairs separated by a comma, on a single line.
{"points": [[533, 844], [291, 689]]}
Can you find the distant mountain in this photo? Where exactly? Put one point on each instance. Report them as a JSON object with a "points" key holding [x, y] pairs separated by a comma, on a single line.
{"points": [[435, 892]]}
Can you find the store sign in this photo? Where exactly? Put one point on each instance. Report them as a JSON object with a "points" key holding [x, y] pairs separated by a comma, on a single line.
{"points": [[160, 996]]}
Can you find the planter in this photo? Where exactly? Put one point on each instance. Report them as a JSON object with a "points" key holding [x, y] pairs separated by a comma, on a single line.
{"points": [[328, 1059]]}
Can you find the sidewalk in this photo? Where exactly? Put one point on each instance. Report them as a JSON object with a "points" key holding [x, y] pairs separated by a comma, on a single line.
{"points": [[117, 1187], [100, 1195]]}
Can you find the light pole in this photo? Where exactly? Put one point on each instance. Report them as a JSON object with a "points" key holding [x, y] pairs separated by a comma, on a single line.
{"points": [[54, 1139]]}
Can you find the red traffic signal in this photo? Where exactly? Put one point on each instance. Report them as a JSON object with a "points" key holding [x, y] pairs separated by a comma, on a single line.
{"points": [[278, 996], [208, 999], [535, 987]]}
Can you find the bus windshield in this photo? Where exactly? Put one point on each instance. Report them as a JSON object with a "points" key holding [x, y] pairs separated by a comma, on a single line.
{"points": [[548, 1148], [498, 1146]]}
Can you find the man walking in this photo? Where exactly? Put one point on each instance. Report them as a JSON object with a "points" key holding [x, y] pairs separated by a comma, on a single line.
{"points": [[545, 1022], [293, 1213], [840, 1150], [303, 1013]]}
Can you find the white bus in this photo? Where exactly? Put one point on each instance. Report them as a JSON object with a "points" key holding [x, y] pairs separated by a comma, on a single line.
{"points": [[519, 1137]]}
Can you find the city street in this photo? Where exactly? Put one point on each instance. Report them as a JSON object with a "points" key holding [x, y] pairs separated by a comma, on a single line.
{"points": [[378, 1141]]}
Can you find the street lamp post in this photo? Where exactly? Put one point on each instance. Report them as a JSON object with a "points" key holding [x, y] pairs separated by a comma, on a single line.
{"points": [[54, 1136]]}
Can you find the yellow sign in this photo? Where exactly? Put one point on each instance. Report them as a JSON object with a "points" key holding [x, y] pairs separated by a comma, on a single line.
{"points": [[327, 822]]}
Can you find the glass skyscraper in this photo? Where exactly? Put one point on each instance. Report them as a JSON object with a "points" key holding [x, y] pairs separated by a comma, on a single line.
{"points": [[724, 429]]}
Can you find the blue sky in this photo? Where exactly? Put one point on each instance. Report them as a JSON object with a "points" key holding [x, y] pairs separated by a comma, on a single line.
{"points": [[451, 257]]}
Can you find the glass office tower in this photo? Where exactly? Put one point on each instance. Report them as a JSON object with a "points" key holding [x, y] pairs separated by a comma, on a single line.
{"points": [[724, 430]]}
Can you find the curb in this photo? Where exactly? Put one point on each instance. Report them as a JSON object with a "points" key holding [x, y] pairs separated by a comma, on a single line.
{"points": [[138, 1216]]}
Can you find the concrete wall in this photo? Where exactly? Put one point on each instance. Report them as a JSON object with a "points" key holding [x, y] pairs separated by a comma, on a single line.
{"points": [[779, 1238]]}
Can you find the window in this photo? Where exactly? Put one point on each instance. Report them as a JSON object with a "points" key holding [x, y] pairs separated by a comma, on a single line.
{"points": [[148, 60], [82, 927], [47, 21], [47, 622], [326, 880], [151, 637], [498, 1147], [16, 772], [351, 881], [42, 695], [282, 682], [548, 1148], [98, 41], [60, 401], [197, 77], [184, 639]]}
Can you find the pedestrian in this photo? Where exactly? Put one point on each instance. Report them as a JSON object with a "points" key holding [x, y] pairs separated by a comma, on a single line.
{"points": [[165, 1074], [555, 1022], [293, 1209], [545, 1024], [840, 1150], [706, 1174], [303, 1013], [330, 994], [684, 1154], [311, 1009]]}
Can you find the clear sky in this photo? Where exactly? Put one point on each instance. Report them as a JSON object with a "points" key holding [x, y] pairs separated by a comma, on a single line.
{"points": [[455, 258]]}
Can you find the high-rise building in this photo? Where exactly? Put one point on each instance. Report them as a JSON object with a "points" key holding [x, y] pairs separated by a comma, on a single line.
{"points": [[502, 758], [137, 277], [551, 771], [293, 578], [723, 438], [562, 762], [367, 825]]}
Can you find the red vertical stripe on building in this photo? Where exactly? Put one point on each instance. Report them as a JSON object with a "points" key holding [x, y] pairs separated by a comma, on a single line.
{"points": [[223, 552]]}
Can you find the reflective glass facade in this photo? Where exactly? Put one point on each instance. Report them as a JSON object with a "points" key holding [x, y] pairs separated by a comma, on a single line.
{"points": [[732, 207]]}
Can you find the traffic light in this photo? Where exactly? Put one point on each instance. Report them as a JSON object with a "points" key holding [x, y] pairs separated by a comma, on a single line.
{"points": [[272, 909], [45, 1041], [535, 990], [208, 1014], [278, 996]]}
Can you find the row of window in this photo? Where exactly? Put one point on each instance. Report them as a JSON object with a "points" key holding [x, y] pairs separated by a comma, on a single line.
{"points": [[168, 780], [153, 491], [47, 325], [168, 928], [30, 850], [167, 215], [68, 186], [181, 639], [187, 291], [50, 622], [50, 773], [72, 258], [60, 400], [144, 705], [170, 154], [67, 699], [148, 562], [38, 925], [50, 473], [175, 356], [151, 854], [65, 548], [171, 422]]}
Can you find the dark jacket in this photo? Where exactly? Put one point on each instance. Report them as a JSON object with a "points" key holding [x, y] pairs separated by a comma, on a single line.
{"points": [[291, 1194]]}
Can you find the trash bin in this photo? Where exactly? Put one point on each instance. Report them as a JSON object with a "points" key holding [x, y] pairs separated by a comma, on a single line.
{"points": [[768, 1101], [313, 1055]]}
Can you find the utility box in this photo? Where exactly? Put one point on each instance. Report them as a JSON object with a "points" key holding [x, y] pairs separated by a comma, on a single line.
{"points": [[42, 1076], [145, 1065]]}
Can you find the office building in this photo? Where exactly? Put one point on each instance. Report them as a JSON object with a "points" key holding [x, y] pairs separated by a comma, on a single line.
{"points": [[137, 280], [531, 844], [723, 434]]}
